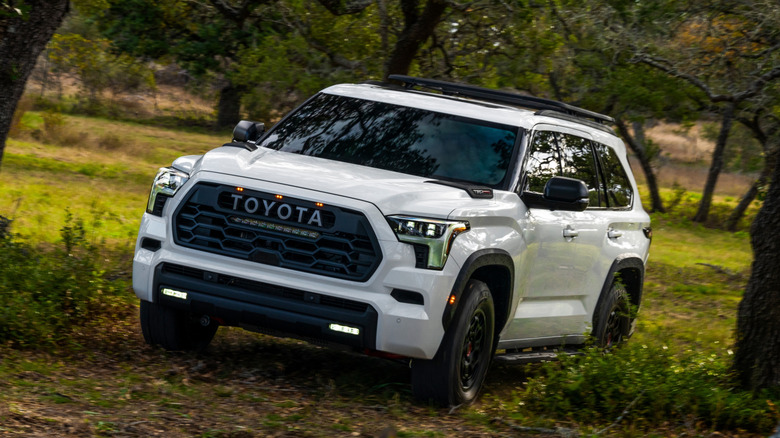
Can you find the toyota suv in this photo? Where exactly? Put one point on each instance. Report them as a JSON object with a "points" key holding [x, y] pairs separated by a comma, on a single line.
{"points": [[433, 222]]}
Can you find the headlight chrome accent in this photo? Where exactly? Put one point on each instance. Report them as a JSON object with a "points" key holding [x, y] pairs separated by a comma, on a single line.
{"points": [[167, 182], [436, 234]]}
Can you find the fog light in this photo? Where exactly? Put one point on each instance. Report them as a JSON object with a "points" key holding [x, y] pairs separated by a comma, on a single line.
{"points": [[344, 329]]}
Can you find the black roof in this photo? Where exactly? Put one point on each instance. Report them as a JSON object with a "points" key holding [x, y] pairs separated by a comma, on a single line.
{"points": [[497, 96]]}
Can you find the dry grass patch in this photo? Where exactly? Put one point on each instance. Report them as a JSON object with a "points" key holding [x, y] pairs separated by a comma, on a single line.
{"points": [[681, 144]]}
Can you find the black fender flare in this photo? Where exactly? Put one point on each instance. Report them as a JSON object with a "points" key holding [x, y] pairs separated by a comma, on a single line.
{"points": [[621, 263], [477, 260]]}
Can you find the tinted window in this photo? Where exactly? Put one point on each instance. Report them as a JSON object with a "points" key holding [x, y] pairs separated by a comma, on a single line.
{"points": [[397, 138], [619, 192], [577, 161], [543, 161]]}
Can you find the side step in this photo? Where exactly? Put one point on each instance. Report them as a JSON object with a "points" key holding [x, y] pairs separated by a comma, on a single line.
{"points": [[523, 357]]}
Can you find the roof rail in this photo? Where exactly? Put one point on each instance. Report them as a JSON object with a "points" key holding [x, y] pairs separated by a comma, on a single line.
{"points": [[536, 103]]}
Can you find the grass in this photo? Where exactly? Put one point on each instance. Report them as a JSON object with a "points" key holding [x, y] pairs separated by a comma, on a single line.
{"points": [[672, 378], [106, 187]]}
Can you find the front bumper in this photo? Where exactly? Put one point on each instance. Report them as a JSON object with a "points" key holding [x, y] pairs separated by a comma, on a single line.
{"points": [[266, 308], [257, 296]]}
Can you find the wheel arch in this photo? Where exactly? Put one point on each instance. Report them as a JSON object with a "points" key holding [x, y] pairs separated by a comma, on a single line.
{"points": [[496, 269], [630, 271]]}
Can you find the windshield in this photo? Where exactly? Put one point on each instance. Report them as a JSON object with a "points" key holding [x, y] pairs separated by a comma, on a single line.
{"points": [[402, 139]]}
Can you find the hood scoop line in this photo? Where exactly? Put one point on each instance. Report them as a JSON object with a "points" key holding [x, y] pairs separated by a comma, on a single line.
{"points": [[476, 192], [241, 144]]}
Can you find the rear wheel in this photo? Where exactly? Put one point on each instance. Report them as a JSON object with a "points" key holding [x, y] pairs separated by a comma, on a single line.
{"points": [[455, 375], [173, 329], [613, 323]]}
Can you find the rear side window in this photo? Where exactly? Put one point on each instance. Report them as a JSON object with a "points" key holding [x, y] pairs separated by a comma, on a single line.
{"points": [[578, 162], [619, 192]]}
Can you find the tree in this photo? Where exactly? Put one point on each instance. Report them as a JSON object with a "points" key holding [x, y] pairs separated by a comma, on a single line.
{"points": [[206, 37], [757, 357], [25, 28], [766, 129], [727, 49], [420, 19]]}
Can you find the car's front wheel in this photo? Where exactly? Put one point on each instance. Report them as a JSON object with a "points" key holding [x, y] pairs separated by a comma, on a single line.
{"points": [[174, 330], [456, 374]]}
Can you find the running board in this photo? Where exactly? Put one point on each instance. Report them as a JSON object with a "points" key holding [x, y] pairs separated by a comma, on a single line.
{"points": [[524, 357]]}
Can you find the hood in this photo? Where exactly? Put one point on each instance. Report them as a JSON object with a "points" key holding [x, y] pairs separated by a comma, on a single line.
{"points": [[391, 192]]}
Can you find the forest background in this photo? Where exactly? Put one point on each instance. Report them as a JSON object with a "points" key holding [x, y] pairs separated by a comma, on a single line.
{"points": [[123, 87]]}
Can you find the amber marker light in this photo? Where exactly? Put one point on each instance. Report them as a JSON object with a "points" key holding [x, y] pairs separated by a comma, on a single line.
{"points": [[452, 299], [239, 189], [279, 197], [319, 204]]}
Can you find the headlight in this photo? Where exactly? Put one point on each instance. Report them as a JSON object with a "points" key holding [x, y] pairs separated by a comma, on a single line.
{"points": [[434, 235], [167, 182]]}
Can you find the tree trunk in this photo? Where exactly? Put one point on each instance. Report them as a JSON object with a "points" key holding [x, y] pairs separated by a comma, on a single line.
{"points": [[22, 38], [418, 27], [229, 106], [637, 145], [733, 220], [717, 164], [769, 164], [771, 146], [757, 358]]}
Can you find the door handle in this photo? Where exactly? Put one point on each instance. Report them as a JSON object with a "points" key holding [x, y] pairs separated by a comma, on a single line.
{"points": [[570, 232], [614, 234]]}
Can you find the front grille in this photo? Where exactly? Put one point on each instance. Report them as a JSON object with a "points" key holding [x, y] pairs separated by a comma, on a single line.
{"points": [[279, 231]]}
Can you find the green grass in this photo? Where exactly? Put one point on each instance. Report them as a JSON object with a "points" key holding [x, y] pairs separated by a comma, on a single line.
{"points": [[691, 245], [107, 187]]}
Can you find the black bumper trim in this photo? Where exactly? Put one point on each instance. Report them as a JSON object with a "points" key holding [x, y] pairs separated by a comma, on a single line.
{"points": [[267, 308]]}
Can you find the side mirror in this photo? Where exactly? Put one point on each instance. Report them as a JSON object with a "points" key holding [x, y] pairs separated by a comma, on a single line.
{"points": [[247, 130], [560, 188], [560, 193]]}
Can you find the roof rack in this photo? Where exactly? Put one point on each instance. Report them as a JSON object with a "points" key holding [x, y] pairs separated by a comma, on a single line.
{"points": [[504, 97]]}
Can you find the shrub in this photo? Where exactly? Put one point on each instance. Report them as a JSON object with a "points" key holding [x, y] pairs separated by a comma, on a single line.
{"points": [[45, 294], [56, 130], [646, 387]]}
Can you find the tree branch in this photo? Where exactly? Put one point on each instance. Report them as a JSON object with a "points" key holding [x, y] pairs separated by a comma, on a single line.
{"points": [[239, 13], [319, 46], [661, 64], [340, 7]]}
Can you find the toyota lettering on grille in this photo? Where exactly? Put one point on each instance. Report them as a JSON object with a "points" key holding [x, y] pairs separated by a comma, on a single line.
{"points": [[277, 210]]}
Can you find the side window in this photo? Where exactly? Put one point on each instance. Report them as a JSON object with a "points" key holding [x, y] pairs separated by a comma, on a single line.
{"points": [[543, 162], [579, 162], [619, 192]]}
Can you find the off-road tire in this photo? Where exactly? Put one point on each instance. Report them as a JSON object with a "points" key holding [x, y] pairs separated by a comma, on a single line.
{"points": [[174, 330], [612, 324], [455, 375]]}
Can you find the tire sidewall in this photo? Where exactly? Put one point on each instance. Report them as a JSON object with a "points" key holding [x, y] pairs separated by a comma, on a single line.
{"points": [[616, 300], [477, 299]]}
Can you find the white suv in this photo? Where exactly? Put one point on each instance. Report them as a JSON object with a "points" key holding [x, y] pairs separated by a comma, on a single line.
{"points": [[439, 227]]}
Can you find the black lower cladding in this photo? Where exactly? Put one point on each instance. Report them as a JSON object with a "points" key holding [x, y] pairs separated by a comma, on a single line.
{"points": [[277, 230], [266, 307]]}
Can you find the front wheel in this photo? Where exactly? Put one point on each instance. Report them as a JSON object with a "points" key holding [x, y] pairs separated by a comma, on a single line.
{"points": [[173, 329], [455, 375]]}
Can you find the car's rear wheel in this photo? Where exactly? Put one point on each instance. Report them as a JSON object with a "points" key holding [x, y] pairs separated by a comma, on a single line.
{"points": [[456, 374], [173, 329], [613, 319]]}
